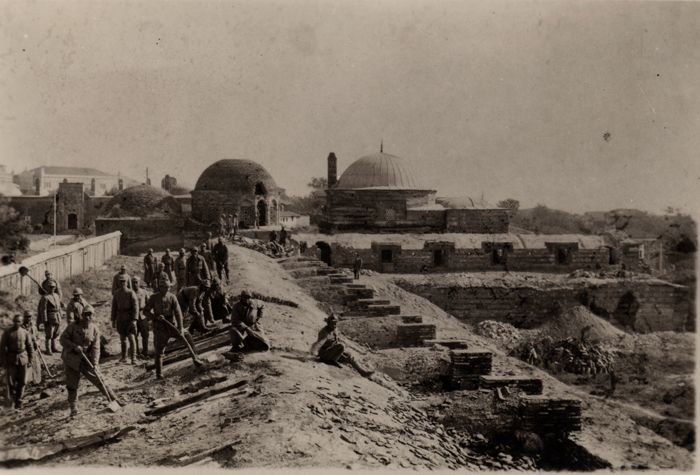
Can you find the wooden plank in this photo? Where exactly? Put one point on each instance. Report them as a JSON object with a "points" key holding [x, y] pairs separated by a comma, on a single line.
{"points": [[187, 401], [40, 452]]}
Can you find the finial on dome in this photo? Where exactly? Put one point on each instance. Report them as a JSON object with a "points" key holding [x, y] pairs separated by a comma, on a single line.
{"points": [[381, 146]]}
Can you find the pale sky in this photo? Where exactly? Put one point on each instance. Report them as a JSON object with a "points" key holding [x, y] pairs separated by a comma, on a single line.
{"points": [[500, 98]]}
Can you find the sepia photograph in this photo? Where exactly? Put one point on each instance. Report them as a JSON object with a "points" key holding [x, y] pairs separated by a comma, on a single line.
{"points": [[396, 235]]}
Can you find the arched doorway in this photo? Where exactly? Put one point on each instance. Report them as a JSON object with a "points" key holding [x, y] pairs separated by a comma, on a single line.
{"points": [[262, 213], [325, 251]]}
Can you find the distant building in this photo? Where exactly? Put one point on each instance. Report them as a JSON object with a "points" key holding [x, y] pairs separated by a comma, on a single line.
{"points": [[237, 186], [379, 193], [43, 181], [7, 186], [290, 219], [168, 183]]}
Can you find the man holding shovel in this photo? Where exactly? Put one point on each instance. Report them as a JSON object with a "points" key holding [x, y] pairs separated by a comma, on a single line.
{"points": [[165, 311], [81, 357]]}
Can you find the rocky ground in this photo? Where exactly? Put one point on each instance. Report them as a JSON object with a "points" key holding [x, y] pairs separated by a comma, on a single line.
{"points": [[290, 410]]}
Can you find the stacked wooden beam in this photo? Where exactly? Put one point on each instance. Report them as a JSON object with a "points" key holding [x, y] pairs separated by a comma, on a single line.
{"points": [[374, 311]]}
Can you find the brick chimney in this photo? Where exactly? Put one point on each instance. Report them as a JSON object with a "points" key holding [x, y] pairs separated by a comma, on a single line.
{"points": [[332, 169]]}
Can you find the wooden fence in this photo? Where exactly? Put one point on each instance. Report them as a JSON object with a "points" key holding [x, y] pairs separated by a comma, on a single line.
{"points": [[63, 262]]}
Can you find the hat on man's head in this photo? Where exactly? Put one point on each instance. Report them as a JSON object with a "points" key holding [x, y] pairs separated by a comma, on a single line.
{"points": [[17, 318], [245, 294], [122, 267], [122, 278], [332, 318], [77, 291], [47, 273], [88, 310], [51, 284], [205, 283], [182, 250]]}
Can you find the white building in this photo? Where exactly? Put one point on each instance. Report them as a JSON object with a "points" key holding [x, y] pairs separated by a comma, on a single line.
{"points": [[43, 181], [290, 219], [7, 186]]}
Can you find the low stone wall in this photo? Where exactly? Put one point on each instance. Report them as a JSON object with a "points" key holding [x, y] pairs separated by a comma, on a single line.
{"points": [[644, 306]]}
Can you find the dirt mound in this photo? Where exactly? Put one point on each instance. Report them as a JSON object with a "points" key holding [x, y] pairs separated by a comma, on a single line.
{"points": [[575, 321], [504, 333]]}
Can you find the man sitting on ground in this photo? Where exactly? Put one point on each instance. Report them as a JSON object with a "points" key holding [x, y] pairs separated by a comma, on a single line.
{"points": [[330, 349], [247, 334]]}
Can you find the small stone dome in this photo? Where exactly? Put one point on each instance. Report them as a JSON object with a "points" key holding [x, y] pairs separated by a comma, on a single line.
{"points": [[380, 170], [235, 175], [142, 201]]}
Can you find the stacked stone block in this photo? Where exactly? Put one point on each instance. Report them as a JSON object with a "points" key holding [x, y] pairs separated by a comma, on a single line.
{"points": [[549, 416], [413, 334], [531, 386]]}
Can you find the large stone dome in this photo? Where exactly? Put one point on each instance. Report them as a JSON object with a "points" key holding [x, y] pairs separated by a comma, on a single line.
{"points": [[141, 201], [380, 170], [234, 175]]}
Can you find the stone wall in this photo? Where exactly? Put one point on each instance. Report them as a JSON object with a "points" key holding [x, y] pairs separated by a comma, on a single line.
{"points": [[413, 261], [477, 220], [207, 205], [138, 235], [643, 305]]}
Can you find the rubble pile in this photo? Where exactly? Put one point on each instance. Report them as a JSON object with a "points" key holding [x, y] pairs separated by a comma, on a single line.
{"points": [[504, 333], [409, 436], [270, 249], [568, 355]]}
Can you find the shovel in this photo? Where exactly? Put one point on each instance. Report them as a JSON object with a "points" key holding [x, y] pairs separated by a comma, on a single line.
{"points": [[113, 404], [24, 272], [195, 359], [43, 361]]}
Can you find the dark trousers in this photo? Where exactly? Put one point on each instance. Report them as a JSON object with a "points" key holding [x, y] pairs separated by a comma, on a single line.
{"points": [[221, 269], [73, 381], [142, 331], [16, 379]]}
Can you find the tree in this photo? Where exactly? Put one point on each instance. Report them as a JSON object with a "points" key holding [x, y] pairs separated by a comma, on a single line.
{"points": [[313, 203], [12, 228], [318, 183], [509, 203]]}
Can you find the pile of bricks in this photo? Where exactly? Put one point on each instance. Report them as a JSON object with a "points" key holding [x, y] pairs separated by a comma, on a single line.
{"points": [[527, 385], [413, 334], [545, 416]]}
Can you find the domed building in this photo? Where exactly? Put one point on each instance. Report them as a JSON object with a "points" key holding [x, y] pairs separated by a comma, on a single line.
{"points": [[142, 201], [380, 193], [237, 186]]}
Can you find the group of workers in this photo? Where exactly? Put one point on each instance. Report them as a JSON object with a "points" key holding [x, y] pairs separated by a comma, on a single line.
{"points": [[136, 311]]}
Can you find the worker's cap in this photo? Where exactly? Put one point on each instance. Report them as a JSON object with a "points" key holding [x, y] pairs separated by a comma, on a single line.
{"points": [[28, 314], [122, 278], [47, 273], [17, 318], [245, 294], [167, 251], [150, 250], [51, 284], [122, 267], [163, 283], [194, 249], [182, 250], [88, 310], [77, 291], [135, 279]]}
